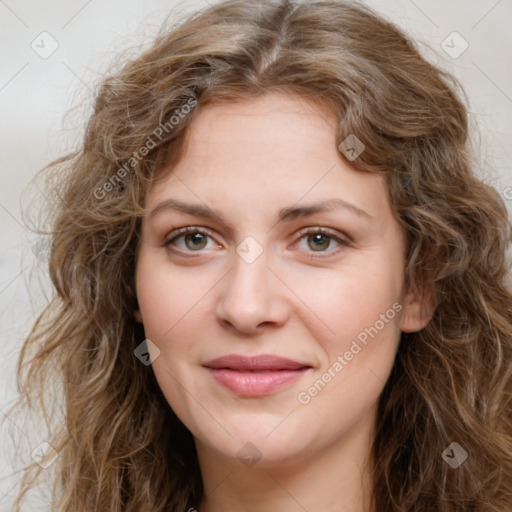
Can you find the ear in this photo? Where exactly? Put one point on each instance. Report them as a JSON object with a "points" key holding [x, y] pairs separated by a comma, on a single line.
{"points": [[137, 315], [417, 313]]}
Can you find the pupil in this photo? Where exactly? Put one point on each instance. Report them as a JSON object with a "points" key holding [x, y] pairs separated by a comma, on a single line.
{"points": [[196, 238], [318, 238]]}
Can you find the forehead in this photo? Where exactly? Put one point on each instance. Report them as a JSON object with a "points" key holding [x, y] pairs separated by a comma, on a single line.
{"points": [[262, 151], [274, 126]]}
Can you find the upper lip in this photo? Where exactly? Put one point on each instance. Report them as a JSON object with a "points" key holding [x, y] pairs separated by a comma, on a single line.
{"points": [[259, 362]]}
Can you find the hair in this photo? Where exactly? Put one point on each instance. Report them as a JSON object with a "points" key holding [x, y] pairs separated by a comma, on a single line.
{"points": [[121, 447]]}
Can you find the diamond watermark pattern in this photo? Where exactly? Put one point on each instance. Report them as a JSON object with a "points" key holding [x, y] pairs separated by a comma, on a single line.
{"points": [[147, 352], [249, 249], [44, 454], [249, 455], [45, 45], [351, 147], [42, 248], [454, 45], [454, 455]]}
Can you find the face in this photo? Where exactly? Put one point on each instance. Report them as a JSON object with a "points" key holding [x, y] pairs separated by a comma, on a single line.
{"points": [[291, 272]]}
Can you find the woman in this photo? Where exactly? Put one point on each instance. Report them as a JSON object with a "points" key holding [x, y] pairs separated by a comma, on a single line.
{"points": [[342, 337]]}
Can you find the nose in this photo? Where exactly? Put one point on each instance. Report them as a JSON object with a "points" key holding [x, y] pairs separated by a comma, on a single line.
{"points": [[252, 297]]}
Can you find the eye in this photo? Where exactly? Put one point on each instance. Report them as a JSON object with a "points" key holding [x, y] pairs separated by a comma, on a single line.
{"points": [[320, 239], [195, 238]]}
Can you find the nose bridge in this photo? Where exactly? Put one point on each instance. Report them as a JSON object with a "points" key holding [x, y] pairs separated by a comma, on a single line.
{"points": [[250, 270], [251, 294]]}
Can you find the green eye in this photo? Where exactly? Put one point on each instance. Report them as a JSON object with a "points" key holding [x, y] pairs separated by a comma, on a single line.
{"points": [[321, 241], [318, 240], [195, 238]]}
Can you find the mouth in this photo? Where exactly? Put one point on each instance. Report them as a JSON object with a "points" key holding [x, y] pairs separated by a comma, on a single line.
{"points": [[255, 376]]}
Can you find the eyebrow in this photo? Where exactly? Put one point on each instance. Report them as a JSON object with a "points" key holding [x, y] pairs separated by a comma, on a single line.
{"points": [[285, 214]]}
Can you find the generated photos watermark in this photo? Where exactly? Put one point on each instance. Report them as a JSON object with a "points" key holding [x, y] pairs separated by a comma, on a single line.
{"points": [[44, 454], [137, 156], [147, 352], [352, 147], [454, 455], [249, 454], [305, 397]]}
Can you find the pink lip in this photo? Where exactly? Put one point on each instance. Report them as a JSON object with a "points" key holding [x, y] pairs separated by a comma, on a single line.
{"points": [[255, 376]]}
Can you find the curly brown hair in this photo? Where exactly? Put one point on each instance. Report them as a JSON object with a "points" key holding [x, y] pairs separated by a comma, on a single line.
{"points": [[122, 448]]}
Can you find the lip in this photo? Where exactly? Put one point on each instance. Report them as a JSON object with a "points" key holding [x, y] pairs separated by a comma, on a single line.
{"points": [[253, 376]]}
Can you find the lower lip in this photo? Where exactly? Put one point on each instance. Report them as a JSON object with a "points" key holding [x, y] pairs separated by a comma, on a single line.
{"points": [[256, 383]]}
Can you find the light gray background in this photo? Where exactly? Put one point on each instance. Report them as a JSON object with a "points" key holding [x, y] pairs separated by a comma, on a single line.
{"points": [[35, 93]]}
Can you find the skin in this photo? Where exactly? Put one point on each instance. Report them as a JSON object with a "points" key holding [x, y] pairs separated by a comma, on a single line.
{"points": [[248, 159]]}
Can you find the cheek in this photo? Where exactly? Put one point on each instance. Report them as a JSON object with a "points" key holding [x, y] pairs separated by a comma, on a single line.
{"points": [[167, 296], [357, 359], [362, 311], [345, 302]]}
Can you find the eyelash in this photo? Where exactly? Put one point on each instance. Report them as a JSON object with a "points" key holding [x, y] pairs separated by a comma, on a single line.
{"points": [[178, 233]]}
